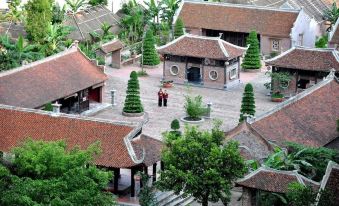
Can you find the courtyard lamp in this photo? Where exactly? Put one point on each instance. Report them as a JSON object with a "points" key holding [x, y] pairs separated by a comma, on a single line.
{"points": [[142, 48]]}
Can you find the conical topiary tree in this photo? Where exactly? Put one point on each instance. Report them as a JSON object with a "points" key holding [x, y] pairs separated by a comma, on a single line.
{"points": [[252, 56], [178, 28], [247, 103], [150, 54], [132, 101]]}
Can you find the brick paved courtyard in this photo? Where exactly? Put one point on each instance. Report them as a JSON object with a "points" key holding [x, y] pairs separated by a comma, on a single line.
{"points": [[226, 104]]}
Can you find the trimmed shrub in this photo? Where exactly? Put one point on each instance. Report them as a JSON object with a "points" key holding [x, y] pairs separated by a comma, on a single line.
{"points": [[247, 103], [175, 125], [150, 54], [252, 56], [132, 101], [178, 28]]}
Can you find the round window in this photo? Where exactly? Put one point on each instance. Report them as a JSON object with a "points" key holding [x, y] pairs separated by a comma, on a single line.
{"points": [[174, 70], [213, 75]]}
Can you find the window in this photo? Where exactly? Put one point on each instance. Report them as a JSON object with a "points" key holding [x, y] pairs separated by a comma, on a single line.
{"points": [[213, 75], [174, 70], [300, 39], [233, 73], [275, 45]]}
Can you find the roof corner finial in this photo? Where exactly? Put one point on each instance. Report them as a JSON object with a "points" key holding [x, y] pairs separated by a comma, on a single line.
{"points": [[75, 44], [220, 35], [331, 74]]}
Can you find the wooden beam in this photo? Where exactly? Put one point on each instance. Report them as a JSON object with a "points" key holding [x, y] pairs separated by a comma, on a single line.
{"points": [[154, 177]]}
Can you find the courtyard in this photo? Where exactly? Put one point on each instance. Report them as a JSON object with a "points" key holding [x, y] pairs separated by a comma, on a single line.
{"points": [[225, 104]]}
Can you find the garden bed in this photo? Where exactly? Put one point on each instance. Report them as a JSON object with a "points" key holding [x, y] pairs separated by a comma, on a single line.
{"points": [[192, 120]]}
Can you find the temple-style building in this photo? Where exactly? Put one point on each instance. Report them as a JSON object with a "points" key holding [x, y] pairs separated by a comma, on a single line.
{"points": [[202, 61]]}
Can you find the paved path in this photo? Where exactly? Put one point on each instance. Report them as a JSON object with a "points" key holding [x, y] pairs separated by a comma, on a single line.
{"points": [[226, 104]]}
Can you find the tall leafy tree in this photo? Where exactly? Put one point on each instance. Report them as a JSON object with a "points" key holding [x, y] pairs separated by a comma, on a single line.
{"points": [[252, 56], [199, 164], [56, 39], [153, 10], [39, 17], [178, 28], [58, 13], [247, 103], [132, 101], [332, 14], [46, 173], [168, 8], [150, 54]]}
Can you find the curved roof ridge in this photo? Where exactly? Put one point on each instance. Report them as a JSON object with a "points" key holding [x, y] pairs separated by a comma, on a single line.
{"points": [[245, 6]]}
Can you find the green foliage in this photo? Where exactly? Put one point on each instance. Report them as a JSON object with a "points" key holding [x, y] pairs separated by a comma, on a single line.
{"points": [[101, 60], [271, 198], [14, 14], [56, 40], [150, 54], [168, 8], [58, 13], [76, 5], [194, 107], [178, 28], [132, 101], [48, 107], [146, 196], [164, 36], [175, 124], [247, 103], [88, 49], [199, 164], [279, 81], [252, 56], [317, 157], [97, 2], [322, 42], [332, 14], [46, 173], [39, 17], [300, 195], [142, 73]]}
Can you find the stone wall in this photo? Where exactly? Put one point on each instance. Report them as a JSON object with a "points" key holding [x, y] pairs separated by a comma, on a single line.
{"points": [[219, 82], [116, 59], [266, 44], [180, 77]]}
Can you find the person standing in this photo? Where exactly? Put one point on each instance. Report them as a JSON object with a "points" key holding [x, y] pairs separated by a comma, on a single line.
{"points": [[160, 97], [165, 98]]}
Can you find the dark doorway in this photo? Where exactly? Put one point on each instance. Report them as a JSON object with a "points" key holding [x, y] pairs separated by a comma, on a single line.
{"points": [[193, 75], [302, 83]]}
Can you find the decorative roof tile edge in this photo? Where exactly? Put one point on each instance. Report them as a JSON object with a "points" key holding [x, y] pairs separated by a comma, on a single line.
{"points": [[222, 48], [329, 168], [297, 97]]}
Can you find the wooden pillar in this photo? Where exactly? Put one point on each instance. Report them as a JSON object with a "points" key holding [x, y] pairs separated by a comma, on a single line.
{"points": [[116, 179], [154, 177], [163, 67], [132, 182]]}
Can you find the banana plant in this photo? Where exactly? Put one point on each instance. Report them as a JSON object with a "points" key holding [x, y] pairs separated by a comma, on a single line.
{"points": [[76, 5]]}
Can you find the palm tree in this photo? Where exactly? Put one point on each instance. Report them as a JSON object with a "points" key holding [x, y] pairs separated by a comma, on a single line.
{"points": [[153, 10], [76, 5], [332, 15], [169, 7], [106, 32]]}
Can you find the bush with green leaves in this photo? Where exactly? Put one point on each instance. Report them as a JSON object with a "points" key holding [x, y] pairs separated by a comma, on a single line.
{"points": [[175, 125], [252, 56], [322, 42], [49, 173], [178, 28], [48, 107], [97, 2], [201, 165], [194, 107], [279, 82], [147, 195], [132, 101], [247, 103], [150, 55]]}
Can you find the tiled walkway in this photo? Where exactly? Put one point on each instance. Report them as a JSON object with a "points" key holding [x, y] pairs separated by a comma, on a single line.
{"points": [[226, 104]]}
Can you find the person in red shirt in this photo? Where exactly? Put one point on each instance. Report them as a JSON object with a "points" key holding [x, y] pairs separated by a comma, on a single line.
{"points": [[165, 96], [160, 97]]}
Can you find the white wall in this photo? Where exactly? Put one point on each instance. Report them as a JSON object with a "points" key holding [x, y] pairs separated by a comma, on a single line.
{"points": [[116, 3], [306, 26]]}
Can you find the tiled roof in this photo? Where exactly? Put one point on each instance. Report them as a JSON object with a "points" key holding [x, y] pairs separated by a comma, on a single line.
{"points": [[252, 145], [272, 180], [330, 182], [118, 148], [49, 79], [308, 118], [13, 30], [238, 18], [111, 46], [91, 20], [202, 47], [312, 59], [334, 34]]}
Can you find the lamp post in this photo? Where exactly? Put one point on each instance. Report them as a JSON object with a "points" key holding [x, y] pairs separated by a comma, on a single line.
{"points": [[142, 48]]}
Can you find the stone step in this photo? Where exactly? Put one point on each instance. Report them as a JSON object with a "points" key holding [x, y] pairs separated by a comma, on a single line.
{"points": [[187, 201], [170, 200], [181, 201], [162, 198]]}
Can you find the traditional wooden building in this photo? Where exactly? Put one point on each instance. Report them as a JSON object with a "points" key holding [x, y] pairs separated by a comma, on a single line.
{"points": [[307, 66], [122, 144], [309, 118], [278, 28], [69, 78], [111, 52], [206, 61]]}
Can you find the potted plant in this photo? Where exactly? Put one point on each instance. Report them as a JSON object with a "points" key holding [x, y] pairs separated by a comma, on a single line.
{"points": [[277, 97], [194, 110], [167, 83]]}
